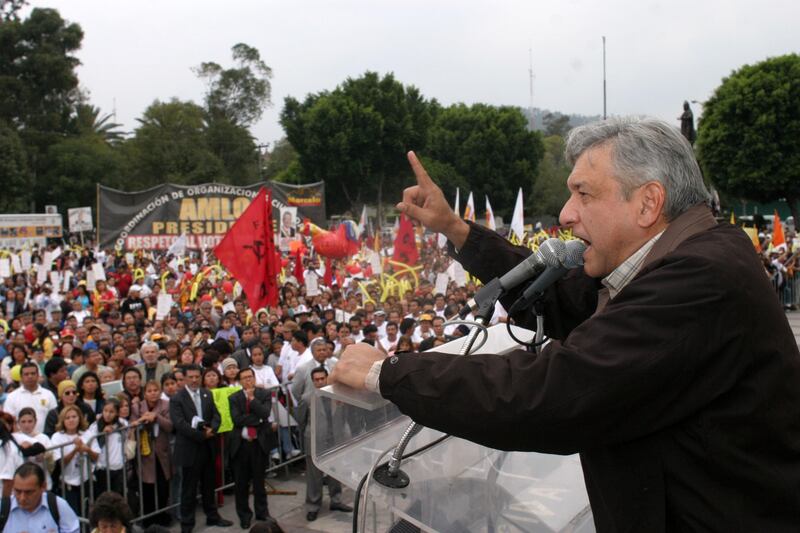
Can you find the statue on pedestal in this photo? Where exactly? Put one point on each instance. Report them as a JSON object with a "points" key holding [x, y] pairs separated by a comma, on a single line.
{"points": [[687, 123]]}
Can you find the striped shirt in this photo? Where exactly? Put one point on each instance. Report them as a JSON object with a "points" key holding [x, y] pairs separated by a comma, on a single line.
{"points": [[624, 273]]}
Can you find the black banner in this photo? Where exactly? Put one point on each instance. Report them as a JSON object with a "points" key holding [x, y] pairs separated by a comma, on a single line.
{"points": [[153, 219]]}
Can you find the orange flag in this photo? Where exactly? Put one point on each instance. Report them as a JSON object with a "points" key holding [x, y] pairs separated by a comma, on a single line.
{"points": [[778, 239]]}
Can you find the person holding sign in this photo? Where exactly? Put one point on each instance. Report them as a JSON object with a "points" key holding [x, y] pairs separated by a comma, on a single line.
{"points": [[250, 443]]}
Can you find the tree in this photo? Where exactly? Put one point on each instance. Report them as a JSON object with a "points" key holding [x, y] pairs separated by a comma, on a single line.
{"points": [[556, 124], [280, 158], [356, 137], [170, 145], [88, 121], [491, 148], [550, 191], [39, 86], [235, 148], [749, 135], [13, 171], [239, 94]]}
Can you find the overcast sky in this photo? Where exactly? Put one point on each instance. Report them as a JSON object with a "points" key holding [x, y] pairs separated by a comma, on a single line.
{"points": [[658, 53]]}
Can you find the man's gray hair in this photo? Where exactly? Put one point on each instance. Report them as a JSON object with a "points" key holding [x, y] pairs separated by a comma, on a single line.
{"points": [[149, 344], [645, 149]]}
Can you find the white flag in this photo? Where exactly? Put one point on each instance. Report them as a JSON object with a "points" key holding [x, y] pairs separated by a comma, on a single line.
{"points": [[490, 223], [517, 224], [178, 246], [457, 206], [362, 223], [469, 210]]}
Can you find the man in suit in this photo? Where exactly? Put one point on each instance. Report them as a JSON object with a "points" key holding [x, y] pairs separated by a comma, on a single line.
{"points": [[310, 376], [196, 421], [250, 444]]}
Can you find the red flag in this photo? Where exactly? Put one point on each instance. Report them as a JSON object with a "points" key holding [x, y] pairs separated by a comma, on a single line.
{"points": [[405, 244], [248, 249], [298, 267]]}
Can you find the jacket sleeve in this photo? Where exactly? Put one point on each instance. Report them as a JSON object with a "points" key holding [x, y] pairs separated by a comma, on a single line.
{"points": [[569, 302], [642, 364], [181, 425]]}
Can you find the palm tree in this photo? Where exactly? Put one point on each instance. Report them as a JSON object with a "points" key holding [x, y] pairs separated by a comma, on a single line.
{"points": [[88, 121]]}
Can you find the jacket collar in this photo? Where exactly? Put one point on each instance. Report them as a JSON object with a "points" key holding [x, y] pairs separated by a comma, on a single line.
{"points": [[691, 222]]}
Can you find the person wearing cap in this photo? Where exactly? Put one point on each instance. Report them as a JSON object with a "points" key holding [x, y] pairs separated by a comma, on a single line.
{"points": [[133, 302], [425, 329], [67, 395], [300, 313], [379, 319], [230, 371]]}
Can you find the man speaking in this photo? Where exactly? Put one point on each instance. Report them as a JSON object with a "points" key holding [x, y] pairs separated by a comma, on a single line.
{"points": [[675, 373]]}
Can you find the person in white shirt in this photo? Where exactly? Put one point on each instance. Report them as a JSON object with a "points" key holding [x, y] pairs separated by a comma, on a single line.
{"points": [[27, 436], [31, 394], [287, 365], [389, 342], [107, 439], [379, 319], [265, 376], [72, 442]]}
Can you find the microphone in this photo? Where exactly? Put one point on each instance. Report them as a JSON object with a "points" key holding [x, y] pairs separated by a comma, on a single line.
{"points": [[551, 253], [573, 258]]}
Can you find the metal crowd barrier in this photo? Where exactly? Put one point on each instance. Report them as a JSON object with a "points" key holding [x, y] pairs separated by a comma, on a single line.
{"points": [[788, 291], [136, 501]]}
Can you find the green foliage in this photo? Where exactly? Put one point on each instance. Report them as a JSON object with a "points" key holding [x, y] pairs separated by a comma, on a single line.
{"points": [[356, 137], [170, 145], [39, 87], [238, 95], [13, 170], [491, 148], [76, 165], [234, 147], [749, 136], [9, 9], [550, 191], [556, 124], [88, 121], [446, 177], [280, 158]]}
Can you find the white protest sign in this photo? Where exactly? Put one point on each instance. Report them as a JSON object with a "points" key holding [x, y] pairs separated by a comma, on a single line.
{"points": [[457, 273], [229, 306], [164, 305], [16, 264], [375, 262], [5, 267], [90, 280], [130, 259], [55, 279], [47, 260], [55, 254], [442, 279], [41, 274], [193, 268], [80, 219], [312, 284], [98, 271], [25, 259], [67, 278]]}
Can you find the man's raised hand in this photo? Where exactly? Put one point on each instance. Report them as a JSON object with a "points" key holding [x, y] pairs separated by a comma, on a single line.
{"points": [[426, 203]]}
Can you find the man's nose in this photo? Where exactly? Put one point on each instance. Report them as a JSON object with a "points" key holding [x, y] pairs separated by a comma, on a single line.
{"points": [[568, 215]]}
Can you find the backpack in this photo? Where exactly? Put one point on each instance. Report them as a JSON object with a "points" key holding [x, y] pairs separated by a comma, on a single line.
{"points": [[5, 509]]}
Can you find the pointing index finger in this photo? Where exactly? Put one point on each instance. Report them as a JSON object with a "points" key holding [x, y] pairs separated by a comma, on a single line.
{"points": [[423, 180]]}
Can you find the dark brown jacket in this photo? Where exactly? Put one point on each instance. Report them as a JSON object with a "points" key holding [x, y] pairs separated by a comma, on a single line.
{"points": [[682, 395]]}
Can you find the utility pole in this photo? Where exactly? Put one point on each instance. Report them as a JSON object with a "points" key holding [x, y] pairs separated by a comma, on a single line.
{"points": [[530, 100], [604, 78]]}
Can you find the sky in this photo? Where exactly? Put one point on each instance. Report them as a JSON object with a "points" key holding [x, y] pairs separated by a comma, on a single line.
{"points": [[658, 54]]}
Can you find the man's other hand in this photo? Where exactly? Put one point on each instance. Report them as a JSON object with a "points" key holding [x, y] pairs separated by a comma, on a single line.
{"points": [[354, 364], [425, 202]]}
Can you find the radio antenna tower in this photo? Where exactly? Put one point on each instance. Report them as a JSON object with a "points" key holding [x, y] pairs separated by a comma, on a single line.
{"points": [[530, 101]]}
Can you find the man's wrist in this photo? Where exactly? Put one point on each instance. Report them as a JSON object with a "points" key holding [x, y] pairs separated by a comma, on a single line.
{"points": [[458, 232]]}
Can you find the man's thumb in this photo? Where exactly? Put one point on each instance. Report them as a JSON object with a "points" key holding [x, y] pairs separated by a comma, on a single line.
{"points": [[410, 210]]}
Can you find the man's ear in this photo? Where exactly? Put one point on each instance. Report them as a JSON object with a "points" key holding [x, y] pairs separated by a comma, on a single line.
{"points": [[652, 196]]}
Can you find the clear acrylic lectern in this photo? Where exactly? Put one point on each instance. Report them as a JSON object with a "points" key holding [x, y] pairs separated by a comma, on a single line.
{"points": [[457, 485]]}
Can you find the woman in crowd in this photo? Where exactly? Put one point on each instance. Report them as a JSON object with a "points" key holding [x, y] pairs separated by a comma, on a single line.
{"points": [[404, 345], [154, 435], [230, 371], [186, 357], [211, 378], [171, 349], [109, 435], [18, 355], [265, 376], [43, 341], [67, 395], [75, 455], [91, 393]]}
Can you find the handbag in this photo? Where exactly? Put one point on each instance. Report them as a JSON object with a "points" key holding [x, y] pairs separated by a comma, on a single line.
{"points": [[130, 449]]}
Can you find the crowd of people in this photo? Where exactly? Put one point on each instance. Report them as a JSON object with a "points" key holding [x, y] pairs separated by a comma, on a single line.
{"points": [[119, 393], [130, 397]]}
